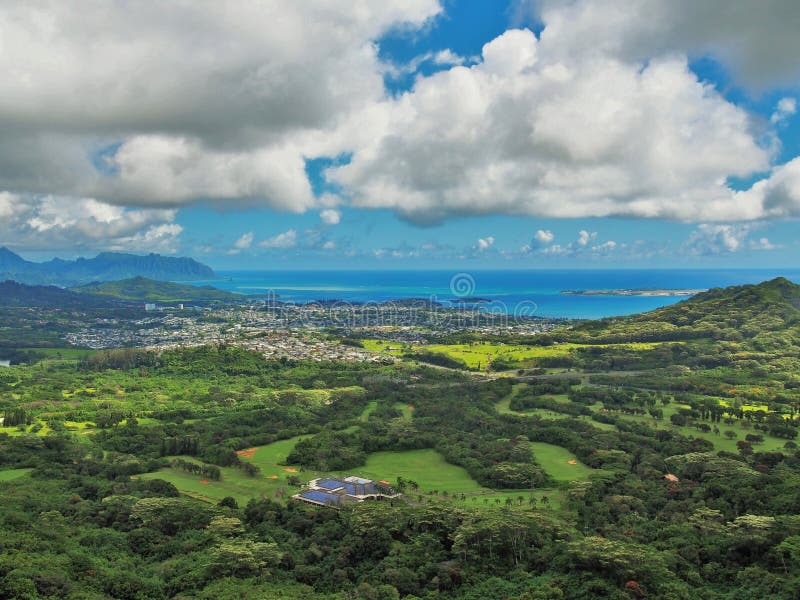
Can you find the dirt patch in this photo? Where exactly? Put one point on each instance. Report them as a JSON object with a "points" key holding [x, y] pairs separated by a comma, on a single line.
{"points": [[248, 454], [411, 408], [272, 477], [290, 470], [204, 481], [573, 462]]}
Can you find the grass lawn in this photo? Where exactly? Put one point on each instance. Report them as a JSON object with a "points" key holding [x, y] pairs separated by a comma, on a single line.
{"points": [[560, 463], [427, 467], [234, 483], [15, 431], [271, 458], [12, 474], [370, 408], [406, 409], [476, 355]]}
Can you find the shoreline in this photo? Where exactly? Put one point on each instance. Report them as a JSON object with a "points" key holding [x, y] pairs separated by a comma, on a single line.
{"points": [[658, 293]]}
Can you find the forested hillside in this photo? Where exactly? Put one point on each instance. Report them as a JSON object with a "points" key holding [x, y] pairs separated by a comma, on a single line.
{"points": [[665, 470], [143, 289]]}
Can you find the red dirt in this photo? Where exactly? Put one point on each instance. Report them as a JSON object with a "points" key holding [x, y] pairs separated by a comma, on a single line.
{"points": [[204, 481]]}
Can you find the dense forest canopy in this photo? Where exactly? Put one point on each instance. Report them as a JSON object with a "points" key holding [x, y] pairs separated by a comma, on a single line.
{"points": [[668, 469]]}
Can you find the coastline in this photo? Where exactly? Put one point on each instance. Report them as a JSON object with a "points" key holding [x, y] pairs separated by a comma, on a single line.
{"points": [[665, 293]]}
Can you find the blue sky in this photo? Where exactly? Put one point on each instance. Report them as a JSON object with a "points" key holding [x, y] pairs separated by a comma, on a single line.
{"points": [[509, 134]]}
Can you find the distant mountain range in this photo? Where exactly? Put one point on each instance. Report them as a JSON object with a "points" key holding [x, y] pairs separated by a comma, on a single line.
{"points": [[110, 294], [107, 266]]}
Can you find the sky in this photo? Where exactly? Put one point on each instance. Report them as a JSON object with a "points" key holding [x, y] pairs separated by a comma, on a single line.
{"points": [[404, 133]]}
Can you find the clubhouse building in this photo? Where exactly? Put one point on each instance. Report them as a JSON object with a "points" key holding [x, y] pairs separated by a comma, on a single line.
{"points": [[335, 492]]}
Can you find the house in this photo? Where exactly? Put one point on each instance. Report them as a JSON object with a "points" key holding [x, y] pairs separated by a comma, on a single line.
{"points": [[335, 492]]}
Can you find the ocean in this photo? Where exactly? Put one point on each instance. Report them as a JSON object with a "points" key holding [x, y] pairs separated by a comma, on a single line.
{"points": [[539, 292]]}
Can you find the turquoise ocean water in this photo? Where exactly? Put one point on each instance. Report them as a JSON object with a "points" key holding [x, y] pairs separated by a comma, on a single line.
{"points": [[505, 288]]}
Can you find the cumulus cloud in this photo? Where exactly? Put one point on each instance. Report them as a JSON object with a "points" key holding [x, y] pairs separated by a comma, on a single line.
{"points": [[779, 194], [485, 243], [225, 102], [786, 108], [53, 222], [243, 243], [763, 244], [584, 237], [542, 238], [287, 239], [530, 132], [174, 103], [713, 238], [759, 43], [584, 245], [330, 216]]}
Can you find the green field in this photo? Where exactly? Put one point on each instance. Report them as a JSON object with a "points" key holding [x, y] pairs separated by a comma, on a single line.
{"points": [[406, 409], [560, 463], [434, 476], [368, 410], [271, 459], [478, 354], [12, 474]]}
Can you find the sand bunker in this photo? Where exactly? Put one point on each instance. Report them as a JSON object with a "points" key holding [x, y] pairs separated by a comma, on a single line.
{"points": [[248, 454], [272, 477], [290, 470], [573, 462]]}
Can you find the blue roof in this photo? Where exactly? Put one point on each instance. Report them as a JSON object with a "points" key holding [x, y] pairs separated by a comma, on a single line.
{"points": [[323, 497], [335, 484]]}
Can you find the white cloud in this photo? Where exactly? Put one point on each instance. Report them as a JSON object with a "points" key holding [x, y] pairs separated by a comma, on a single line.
{"points": [[448, 57], [584, 237], [224, 102], [197, 100], [287, 239], [758, 42], [763, 244], [605, 248], [713, 239], [530, 132], [54, 222], [785, 108], [583, 245], [485, 243], [244, 242], [329, 245], [330, 216], [779, 194], [542, 238]]}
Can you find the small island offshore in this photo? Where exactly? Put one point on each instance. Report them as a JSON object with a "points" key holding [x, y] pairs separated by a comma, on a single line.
{"points": [[633, 292]]}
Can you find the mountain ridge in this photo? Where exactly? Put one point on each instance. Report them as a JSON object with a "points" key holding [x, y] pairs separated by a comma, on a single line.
{"points": [[106, 266], [142, 289], [733, 313]]}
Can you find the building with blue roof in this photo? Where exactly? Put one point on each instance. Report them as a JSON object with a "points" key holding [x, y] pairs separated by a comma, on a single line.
{"points": [[335, 492]]}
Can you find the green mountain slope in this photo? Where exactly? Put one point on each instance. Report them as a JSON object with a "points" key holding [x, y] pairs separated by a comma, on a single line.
{"points": [[13, 294], [142, 289], [734, 313]]}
